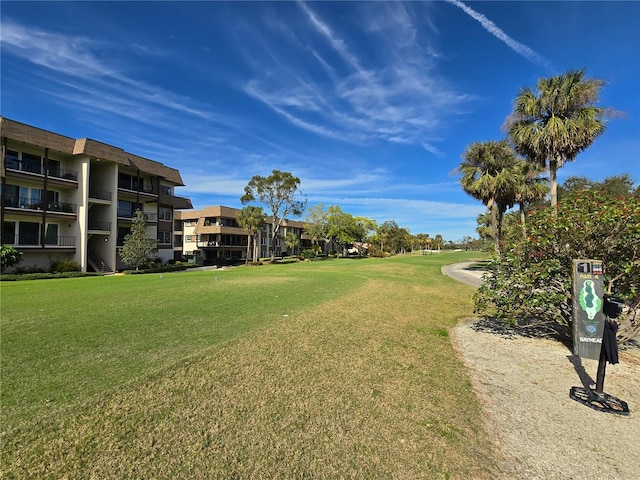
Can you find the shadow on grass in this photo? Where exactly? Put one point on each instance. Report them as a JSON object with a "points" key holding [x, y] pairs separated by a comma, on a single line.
{"points": [[479, 266]]}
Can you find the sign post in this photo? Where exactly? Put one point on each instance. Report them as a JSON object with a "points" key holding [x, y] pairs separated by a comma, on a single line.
{"points": [[588, 319], [588, 332]]}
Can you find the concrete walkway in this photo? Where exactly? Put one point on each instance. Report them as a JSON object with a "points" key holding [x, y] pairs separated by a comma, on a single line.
{"points": [[463, 272]]}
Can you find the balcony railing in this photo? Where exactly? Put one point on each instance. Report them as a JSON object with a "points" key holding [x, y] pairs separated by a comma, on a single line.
{"points": [[32, 167], [24, 240], [99, 194], [63, 173], [214, 244], [128, 213], [132, 186], [35, 204], [99, 225]]}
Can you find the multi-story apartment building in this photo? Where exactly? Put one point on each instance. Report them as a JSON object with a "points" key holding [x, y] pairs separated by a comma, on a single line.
{"points": [[213, 235], [73, 199]]}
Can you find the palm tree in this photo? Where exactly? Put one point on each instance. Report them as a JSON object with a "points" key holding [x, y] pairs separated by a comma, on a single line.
{"points": [[291, 240], [251, 218], [529, 188], [552, 125], [489, 175], [438, 241]]}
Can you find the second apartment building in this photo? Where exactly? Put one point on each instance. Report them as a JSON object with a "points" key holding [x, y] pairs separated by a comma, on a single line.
{"points": [[213, 235]]}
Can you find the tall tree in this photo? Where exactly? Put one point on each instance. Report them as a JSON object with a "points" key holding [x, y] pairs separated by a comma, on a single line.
{"points": [[424, 240], [484, 226], [252, 219], [615, 186], [343, 229], [488, 174], [138, 247], [385, 234], [529, 188], [291, 240], [316, 225], [279, 193], [551, 125], [438, 241]]}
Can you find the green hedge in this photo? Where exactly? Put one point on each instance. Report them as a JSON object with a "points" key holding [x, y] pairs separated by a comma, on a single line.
{"points": [[45, 276]]}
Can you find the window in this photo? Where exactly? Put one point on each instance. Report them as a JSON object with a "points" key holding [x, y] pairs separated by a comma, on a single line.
{"points": [[30, 198], [54, 168], [127, 209], [190, 223], [28, 233], [164, 238], [51, 234], [9, 233], [53, 200], [188, 238], [122, 232], [11, 159], [129, 182], [31, 163], [11, 195], [166, 189], [164, 214]]}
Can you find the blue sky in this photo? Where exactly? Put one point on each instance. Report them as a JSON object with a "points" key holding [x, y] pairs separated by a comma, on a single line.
{"points": [[370, 104]]}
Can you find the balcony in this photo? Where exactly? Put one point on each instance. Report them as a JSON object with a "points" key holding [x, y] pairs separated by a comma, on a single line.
{"points": [[99, 225], [99, 194], [35, 204], [64, 174], [135, 187], [214, 244], [23, 240], [38, 169], [128, 214], [175, 201]]}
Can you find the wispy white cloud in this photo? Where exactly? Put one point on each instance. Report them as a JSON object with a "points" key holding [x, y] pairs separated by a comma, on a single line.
{"points": [[71, 55], [337, 43], [419, 207], [76, 62], [497, 32], [219, 184], [401, 99]]}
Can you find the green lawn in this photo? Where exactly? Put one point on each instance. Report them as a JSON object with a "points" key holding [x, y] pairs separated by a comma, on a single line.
{"points": [[333, 369]]}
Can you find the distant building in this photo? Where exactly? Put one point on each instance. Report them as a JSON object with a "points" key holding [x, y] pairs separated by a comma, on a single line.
{"points": [[73, 199], [213, 236]]}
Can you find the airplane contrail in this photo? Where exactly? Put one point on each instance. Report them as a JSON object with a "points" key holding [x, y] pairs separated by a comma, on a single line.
{"points": [[497, 32]]}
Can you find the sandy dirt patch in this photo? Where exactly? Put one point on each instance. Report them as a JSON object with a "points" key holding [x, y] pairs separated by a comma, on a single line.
{"points": [[524, 384]]}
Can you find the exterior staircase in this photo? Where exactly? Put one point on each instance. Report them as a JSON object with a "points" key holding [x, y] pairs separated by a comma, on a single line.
{"points": [[97, 263]]}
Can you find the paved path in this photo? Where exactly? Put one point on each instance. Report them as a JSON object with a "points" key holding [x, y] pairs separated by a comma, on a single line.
{"points": [[463, 273]]}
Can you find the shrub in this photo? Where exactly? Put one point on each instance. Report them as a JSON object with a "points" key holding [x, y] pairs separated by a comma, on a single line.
{"points": [[308, 253], [61, 266], [9, 257], [531, 280], [46, 276]]}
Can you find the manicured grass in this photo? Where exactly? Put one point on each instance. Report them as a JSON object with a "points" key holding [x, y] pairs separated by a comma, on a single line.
{"points": [[335, 369]]}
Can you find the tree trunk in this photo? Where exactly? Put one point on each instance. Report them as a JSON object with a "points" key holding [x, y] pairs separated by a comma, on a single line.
{"points": [[494, 225], [500, 218], [274, 236], [273, 247], [246, 262], [522, 221], [553, 183], [255, 247]]}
